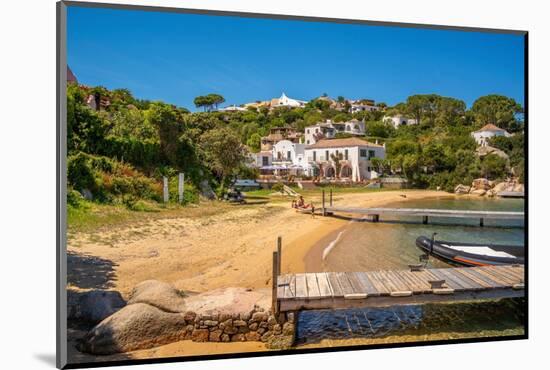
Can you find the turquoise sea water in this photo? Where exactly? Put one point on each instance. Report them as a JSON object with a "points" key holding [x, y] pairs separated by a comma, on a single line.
{"points": [[390, 244]]}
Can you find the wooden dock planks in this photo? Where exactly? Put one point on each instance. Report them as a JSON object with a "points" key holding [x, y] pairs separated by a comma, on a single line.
{"points": [[343, 289]]}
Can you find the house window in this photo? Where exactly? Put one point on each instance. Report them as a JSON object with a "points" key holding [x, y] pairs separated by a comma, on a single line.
{"points": [[363, 153], [307, 131], [288, 155], [346, 154], [307, 142], [371, 154], [314, 156], [368, 169], [326, 155], [265, 161]]}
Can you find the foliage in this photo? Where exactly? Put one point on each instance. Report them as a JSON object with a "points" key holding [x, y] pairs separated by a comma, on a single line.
{"points": [[498, 110], [155, 139], [278, 187], [222, 152], [209, 102], [494, 167]]}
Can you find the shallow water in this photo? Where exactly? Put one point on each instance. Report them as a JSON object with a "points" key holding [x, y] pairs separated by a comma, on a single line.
{"points": [[390, 244], [430, 322]]}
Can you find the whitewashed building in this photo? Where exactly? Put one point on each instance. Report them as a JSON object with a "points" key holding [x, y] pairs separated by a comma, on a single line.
{"points": [[329, 129], [285, 101], [233, 108], [354, 155], [399, 120], [263, 159], [488, 131], [362, 108]]}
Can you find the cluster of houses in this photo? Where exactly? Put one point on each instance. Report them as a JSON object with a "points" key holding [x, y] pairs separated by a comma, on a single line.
{"points": [[318, 154]]}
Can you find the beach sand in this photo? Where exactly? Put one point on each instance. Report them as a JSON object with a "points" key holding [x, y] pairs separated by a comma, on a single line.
{"points": [[231, 249]]}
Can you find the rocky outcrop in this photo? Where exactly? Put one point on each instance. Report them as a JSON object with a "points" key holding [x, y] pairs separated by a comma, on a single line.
{"points": [[158, 294], [485, 187], [482, 151], [136, 326], [158, 314], [462, 189], [482, 184], [479, 192], [93, 306]]}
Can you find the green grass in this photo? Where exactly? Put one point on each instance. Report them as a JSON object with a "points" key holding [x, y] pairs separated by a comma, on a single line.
{"points": [[268, 193], [90, 216]]}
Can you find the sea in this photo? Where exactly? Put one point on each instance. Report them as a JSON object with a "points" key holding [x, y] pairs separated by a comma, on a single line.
{"points": [[361, 245]]}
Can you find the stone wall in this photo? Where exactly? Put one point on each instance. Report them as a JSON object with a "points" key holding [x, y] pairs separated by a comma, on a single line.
{"points": [[157, 314], [258, 325]]}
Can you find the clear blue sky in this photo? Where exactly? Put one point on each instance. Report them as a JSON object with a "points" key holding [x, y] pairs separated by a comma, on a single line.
{"points": [[175, 57]]}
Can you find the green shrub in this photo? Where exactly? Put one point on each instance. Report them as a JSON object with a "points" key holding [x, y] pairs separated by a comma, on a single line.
{"points": [[278, 187], [74, 198]]}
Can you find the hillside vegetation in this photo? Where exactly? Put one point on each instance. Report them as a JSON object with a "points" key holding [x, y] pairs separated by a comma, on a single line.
{"points": [[118, 154]]}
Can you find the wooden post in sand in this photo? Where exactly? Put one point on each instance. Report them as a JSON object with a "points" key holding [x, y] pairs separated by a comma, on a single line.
{"points": [[279, 254], [165, 194], [274, 303], [330, 201], [324, 211], [181, 178]]}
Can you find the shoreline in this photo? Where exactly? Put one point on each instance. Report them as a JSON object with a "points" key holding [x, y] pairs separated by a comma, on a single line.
{"points": [[194, 255]]}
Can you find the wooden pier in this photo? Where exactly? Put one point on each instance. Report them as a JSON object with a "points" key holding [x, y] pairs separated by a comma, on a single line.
{"points": [[417, 285], [425, 214], [344, 290]]}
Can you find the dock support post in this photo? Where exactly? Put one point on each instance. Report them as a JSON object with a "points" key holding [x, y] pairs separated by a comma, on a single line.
{"points": [[481, 222], [279, 254], [424, 220], [330, 202], [324, 209], [274, 302]]}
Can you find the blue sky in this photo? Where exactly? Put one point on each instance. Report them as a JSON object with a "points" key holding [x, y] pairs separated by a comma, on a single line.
{"points": [[175, 57]]}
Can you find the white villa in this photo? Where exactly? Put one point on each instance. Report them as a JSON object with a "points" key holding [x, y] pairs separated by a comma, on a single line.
{"points": [[363, 105], [363, 108], [263, 159], [399, 120], [285, 156], [329, 129], [233, 108], [486, 132], [355, 158], [285, 101]]}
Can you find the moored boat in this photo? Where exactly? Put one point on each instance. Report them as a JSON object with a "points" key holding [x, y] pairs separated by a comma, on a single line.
{"points": [[470, 254]]}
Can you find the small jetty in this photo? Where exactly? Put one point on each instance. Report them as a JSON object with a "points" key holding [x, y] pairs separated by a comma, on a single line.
{"points": [[328, 209], [344, 290], [413, 286]]}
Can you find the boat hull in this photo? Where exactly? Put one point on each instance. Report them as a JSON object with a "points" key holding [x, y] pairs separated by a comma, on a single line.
{"points": [[442, 250]]}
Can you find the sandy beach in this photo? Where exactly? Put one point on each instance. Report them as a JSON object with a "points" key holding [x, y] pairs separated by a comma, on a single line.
{"points": [[197, 254]]}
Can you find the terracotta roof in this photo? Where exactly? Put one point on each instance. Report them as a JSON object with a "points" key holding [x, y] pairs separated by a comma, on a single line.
{"points": [[490, 127], [70, 76], [335, 143]]}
